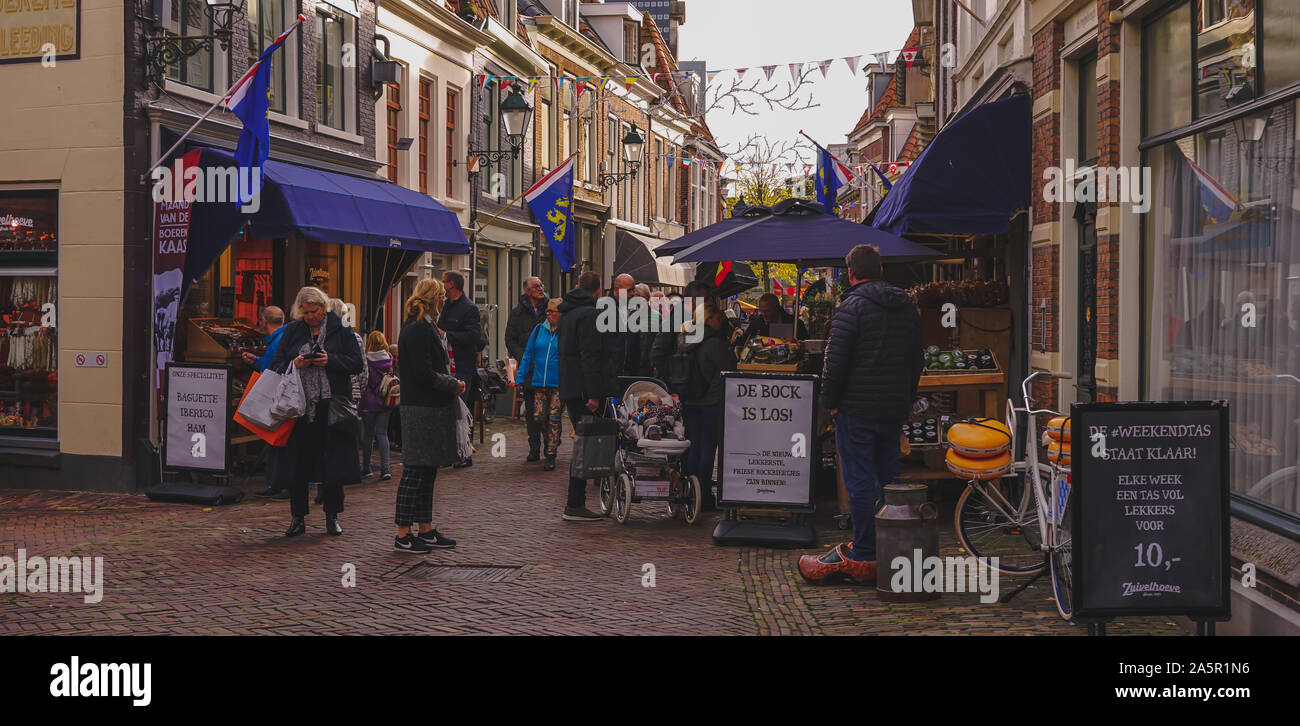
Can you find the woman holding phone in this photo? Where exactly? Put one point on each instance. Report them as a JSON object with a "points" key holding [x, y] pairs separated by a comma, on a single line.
{"points": [[326, 355]]}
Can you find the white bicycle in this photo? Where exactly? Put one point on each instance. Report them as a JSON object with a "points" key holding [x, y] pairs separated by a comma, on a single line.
{"points": [[1023, 518]]}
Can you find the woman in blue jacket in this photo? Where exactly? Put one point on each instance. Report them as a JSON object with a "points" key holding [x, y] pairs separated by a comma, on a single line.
{"points": [[541, 364]]}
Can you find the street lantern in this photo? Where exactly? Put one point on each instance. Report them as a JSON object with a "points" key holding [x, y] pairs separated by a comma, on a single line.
{"points": [[515, 115], [633, 148], [163, 49]]}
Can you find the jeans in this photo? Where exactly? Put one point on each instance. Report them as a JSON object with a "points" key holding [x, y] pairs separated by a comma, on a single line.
{"points": [[702, 430], [869, 460], [578, 487], [530, 415], [376, 428]]}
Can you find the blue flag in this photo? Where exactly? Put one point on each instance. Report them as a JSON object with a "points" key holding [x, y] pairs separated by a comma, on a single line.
{"points": [[551, 200], [831, 175]]}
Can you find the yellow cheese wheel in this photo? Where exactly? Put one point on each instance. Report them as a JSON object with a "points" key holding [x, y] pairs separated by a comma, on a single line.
{"points": [[1061, 461], [1059, 428], [971, 468], [980, 438]]}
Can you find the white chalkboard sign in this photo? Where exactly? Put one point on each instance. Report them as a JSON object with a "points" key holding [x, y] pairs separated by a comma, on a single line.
{"points": [[197, 425], [768, 447], [1150, 525]]}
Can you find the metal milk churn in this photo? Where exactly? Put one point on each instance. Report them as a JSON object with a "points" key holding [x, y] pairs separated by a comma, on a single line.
{"points": [[907, 526]]}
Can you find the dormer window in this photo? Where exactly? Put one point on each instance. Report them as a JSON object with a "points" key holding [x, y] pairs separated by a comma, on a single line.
{"points": [[631, 42]]}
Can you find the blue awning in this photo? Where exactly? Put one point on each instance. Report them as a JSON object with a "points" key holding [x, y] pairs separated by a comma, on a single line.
{"points": [[971, 179], [323, 206], [793, 230]]}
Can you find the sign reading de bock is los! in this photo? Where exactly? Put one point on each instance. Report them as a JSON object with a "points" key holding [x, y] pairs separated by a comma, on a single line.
{"points": [[36, 30]]}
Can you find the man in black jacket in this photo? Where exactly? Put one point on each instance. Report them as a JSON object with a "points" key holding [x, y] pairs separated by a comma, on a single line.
{"points": [[873, 363], [587, 374], [460, 321], [530, 312]]}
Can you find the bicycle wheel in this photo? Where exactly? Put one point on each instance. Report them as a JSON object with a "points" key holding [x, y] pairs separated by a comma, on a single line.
{"points": [[1061, 554], [998, 519]]}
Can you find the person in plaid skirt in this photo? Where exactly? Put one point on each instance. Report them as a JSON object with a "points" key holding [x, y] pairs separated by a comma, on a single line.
{"points": [[429, 410]]}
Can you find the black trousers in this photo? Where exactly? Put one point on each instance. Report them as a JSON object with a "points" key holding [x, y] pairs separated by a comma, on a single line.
{"points": [[530, 415], [578, 487], [308, 445]]}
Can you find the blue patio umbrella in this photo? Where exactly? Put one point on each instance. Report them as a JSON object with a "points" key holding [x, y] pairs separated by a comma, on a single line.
{"points": [[794, 230]]}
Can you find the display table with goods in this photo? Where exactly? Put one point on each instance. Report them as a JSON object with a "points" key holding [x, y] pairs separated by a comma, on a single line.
{"points": [[28, 356], [966, 327]]}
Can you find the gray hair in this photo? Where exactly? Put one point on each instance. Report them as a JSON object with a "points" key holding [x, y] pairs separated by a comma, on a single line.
{"points": [[310, 296], [643, 290], [338, 307]]}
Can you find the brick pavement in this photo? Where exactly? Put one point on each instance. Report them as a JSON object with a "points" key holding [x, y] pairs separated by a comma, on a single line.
{"points": [[174, 568]]}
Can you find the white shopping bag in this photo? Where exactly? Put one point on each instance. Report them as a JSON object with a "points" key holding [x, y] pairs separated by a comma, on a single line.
{"points": [[290, 399], [464, 430], [257, 403]]}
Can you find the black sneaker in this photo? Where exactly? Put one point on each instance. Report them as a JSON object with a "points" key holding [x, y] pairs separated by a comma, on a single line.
{"points": [[281, 494], [266, 493], [411, 543], [550, 464], [436, 540], [385, 476], [580, 514], [534, 455]]}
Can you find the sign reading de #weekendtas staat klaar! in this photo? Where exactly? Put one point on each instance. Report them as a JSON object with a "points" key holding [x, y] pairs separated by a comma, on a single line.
{"points": [[1150, 525]]}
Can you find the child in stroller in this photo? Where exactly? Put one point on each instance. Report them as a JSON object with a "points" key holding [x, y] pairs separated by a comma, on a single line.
{"points": [[652, 447]]}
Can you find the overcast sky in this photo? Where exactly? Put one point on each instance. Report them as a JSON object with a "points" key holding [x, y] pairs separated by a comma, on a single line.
{"points": [[752, 33]]}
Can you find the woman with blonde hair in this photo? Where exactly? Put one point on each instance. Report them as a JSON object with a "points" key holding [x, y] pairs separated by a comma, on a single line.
{"points": [[326, 356], [428, 411], [373, 408]]}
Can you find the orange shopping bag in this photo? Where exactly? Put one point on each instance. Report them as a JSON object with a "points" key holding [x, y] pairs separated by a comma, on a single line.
{"points": [[278, 436]]}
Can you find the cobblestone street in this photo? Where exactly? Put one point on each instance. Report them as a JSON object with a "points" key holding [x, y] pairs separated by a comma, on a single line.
{"points": [[177, 568]]}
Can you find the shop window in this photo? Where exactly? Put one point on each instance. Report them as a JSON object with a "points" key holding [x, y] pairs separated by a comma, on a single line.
{"points": [[323, 267], [190, 17], [29, 299], [335, 84], [1223, 281], [1167, 58], [491, 131], [265, 24], [254, 277], [1225, 56], [1281, 27]]}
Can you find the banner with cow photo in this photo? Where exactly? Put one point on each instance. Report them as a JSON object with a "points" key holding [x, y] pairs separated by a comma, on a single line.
{"points": [[171, 240]]}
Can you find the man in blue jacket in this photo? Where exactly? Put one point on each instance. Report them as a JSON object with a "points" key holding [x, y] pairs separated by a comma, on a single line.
{"points": [[272, 319], [873, 363]]}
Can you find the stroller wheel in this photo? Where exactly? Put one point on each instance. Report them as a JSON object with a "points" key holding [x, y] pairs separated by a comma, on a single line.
{"points": [[606, 495], [691, 509], [622, 498]]}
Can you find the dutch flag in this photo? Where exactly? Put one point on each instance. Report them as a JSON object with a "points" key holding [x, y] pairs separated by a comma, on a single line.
{"points": [[249, 102]]}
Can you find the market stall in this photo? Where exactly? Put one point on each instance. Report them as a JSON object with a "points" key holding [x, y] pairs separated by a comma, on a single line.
{"points": [[779, 373]]}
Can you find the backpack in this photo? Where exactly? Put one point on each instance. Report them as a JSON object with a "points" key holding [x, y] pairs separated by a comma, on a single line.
{"points": [[684, 375], [390, 391]]}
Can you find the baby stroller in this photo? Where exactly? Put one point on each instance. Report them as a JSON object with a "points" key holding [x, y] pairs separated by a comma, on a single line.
{"points": [[652, 449]]}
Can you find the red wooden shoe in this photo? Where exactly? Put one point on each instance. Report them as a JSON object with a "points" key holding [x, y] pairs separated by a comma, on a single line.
{"points": [[835, 564]]}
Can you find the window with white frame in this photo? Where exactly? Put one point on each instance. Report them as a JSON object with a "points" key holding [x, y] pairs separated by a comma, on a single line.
{"points": [[336, 85], [266, 21], [190, 17]]}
